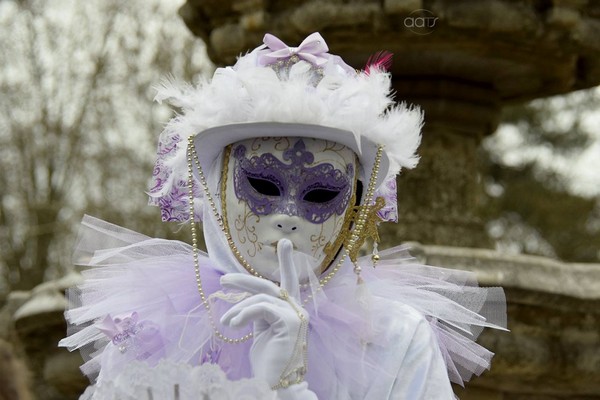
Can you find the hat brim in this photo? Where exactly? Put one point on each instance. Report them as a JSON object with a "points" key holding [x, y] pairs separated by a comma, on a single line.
{"points": [[210, 142]]}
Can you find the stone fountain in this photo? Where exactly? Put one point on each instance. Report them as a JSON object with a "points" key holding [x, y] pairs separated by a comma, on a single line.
{"points": [[461, 61]]}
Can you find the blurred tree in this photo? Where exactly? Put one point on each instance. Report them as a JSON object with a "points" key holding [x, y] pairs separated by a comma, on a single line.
{"points": [[78, 127], [543, 178]]}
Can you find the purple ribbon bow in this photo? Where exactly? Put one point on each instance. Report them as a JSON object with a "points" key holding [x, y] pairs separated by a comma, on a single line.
{"points": [[127, 330], [121, 329], [312, 49]]}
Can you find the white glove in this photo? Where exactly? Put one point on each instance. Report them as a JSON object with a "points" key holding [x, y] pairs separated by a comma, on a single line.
{"points": [[278, 353]]}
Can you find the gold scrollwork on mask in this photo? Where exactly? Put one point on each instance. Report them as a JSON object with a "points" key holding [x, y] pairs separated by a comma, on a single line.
{"points": [[318, 241], [281, 143], [246, 231], [333, 146]]}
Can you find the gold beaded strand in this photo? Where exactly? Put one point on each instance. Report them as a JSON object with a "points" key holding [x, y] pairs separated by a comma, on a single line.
{"points": [[367, 217]]}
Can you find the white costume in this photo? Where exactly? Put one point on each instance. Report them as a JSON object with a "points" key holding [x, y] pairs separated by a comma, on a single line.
{"points": [[289, 158]]}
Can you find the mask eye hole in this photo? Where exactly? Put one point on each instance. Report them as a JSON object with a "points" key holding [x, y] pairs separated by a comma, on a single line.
{"points": [[320, 195], [264, 186]]}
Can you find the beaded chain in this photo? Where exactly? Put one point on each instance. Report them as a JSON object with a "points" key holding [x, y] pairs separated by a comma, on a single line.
{"points": [[366, 219], [191, 155], [356, 238], [290, 375]]}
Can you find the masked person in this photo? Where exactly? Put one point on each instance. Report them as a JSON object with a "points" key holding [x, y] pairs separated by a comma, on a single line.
{"points": [[289, 159]]}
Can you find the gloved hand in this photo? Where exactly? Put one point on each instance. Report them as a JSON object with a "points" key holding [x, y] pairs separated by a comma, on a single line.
{"points": [[278, 353]]}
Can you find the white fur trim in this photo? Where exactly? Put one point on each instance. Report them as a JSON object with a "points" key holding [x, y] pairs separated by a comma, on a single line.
{"points": [[358, 103]]}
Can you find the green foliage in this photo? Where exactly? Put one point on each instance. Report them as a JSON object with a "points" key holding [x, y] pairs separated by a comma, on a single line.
{"points": [[537, 202]]}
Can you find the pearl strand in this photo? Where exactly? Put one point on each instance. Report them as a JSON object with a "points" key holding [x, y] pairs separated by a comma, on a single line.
{"points": [[217, 332]]}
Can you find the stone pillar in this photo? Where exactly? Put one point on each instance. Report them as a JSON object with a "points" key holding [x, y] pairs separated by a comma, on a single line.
{"points": [[439, 201]]}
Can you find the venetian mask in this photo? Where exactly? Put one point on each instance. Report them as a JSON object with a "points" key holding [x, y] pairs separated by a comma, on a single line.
{"points": [[302, 189]]}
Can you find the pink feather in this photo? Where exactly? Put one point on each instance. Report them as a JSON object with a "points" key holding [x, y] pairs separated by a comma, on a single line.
{"points": [[382, 60]]}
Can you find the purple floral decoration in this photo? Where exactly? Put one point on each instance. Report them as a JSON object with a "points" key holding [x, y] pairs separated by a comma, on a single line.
{"points": [[170, 192], [128, 332], [211, 356], [389, 192]]}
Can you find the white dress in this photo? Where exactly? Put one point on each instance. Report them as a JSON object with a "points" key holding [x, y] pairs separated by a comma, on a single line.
{"points": [[404, 333]]}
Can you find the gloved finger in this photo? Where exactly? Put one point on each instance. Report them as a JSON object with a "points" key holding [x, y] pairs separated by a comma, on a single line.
{"points": [[256, 308], [256, 299], [287, 268], [250, 283]]}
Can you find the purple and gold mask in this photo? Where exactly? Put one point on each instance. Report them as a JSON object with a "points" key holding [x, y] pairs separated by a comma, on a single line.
{"points": [[295, 188]]}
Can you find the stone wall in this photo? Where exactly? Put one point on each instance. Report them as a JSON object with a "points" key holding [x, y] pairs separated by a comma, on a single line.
{"points": [[553, 348], [552, 351]]}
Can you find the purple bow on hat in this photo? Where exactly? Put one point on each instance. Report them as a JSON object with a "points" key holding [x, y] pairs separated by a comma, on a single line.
{"points": [[312, 49]]}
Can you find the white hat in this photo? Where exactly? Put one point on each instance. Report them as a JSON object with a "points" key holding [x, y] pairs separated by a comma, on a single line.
{"points": [[277, 90]]}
